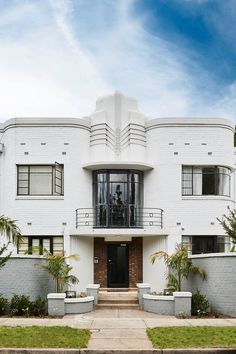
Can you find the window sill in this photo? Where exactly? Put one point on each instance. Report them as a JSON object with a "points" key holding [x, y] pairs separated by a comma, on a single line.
{"points": [[40, 197], [207, 197]]}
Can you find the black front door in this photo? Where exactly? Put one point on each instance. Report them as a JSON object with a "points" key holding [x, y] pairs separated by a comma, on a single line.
{"points": [[118, 265]]}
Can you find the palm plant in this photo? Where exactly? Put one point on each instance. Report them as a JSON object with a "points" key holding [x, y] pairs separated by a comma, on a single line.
{"points": [[228, 222], [179, 265], [56, 266], [11, 232]]}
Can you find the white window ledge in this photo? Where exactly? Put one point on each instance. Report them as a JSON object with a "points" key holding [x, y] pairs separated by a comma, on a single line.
{"points": [[207, 197], [40, 197]]}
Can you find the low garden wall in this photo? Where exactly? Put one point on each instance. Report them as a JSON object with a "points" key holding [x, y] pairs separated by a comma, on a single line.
{"points": [[220, 284], [22, 275]]}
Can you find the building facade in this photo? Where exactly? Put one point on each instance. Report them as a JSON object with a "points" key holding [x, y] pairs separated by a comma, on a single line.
{"points": [[115, 187]]}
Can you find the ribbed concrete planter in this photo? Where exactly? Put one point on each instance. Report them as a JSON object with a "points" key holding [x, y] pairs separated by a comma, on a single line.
{"points": [[179, 304]]}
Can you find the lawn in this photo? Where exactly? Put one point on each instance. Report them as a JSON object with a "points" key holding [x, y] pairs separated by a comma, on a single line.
{"points": [[192, 337], [43, 337]]}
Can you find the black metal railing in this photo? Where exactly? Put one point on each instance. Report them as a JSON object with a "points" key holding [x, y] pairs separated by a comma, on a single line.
{"points": [[119, 216]]}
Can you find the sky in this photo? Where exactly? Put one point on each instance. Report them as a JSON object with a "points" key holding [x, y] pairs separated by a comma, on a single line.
{"points": [[177, 57]]}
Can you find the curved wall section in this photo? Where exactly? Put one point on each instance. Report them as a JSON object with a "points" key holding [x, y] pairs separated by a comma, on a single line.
{"points": [[174, 143], [45, 142]]}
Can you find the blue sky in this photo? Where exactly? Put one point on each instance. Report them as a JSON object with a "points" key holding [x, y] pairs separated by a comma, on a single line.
{"points": [[177, 57]]}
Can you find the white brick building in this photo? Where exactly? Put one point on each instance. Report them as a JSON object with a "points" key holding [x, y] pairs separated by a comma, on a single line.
{"points": [[116, 186]]}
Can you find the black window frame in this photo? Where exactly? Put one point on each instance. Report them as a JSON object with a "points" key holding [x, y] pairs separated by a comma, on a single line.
{"points": [[40, 238], [57, 176], [216, 173]]}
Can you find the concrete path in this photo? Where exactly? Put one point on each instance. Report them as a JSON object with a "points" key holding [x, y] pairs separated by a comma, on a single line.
{"points": [[118, 328]]}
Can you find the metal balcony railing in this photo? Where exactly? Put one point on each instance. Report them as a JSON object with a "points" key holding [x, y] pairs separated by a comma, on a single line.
{"points": [[119, 216]]}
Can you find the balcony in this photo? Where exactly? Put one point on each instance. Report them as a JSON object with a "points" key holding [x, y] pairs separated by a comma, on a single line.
{"points": [[119, 216]]}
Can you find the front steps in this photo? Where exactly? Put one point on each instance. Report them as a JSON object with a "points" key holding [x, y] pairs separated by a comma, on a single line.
{"points": [[118, 299]]}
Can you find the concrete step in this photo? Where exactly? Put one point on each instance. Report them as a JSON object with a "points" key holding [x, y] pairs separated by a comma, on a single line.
{"points": [[118, 301], [118, 306], [113, 290]]}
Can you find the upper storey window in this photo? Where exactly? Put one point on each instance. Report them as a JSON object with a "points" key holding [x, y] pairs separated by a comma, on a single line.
{"points": [[40, 179], [117, 198], [205, 180]]}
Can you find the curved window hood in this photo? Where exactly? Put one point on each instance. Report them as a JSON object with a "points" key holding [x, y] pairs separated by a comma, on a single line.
{"points": [[128, 165]]}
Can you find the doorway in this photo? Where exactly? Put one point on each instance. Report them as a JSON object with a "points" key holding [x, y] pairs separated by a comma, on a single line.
{"points": [[118, 265]]}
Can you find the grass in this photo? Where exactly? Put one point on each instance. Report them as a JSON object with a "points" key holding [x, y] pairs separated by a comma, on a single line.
{"points": [[192, 337], [43, 337]]}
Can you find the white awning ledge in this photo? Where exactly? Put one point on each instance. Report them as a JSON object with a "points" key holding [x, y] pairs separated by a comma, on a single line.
{"points": [[131, 165]]}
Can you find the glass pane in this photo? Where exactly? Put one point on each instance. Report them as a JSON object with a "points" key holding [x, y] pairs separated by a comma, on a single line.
{"points": [[187, 180], [101, 193], [35, 246], [223, 184], [23, 176], [118, 193], [41, 184], [23, 184], [118, 177], [23, 168], [197, 181], [46, 244], [101, 177], [208, 181], [23, 191], [134, 177], [58, 179], [40, 169]]}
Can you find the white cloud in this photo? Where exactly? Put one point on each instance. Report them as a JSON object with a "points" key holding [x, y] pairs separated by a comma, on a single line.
{"points": [[67, 53]]}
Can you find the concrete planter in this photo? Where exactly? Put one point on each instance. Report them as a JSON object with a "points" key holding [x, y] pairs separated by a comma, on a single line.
{"points": [[59, 305], [79, 305], [161, 304], [179, 304]]}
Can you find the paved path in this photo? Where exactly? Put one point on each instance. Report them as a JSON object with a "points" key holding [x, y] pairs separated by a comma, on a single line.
{"points": [[118, 328]]}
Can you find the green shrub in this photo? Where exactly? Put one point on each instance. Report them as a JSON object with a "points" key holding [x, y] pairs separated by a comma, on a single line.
{"points": [[200, 304], [37, 307], [3, 304], [20, 305]]}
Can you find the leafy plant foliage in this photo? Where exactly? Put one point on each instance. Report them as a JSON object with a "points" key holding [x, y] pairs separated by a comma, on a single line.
{"points": [[56, 266], [3, 304], [20, 305], [200, 304], [228, 222], [10, 230], [179, 265]]}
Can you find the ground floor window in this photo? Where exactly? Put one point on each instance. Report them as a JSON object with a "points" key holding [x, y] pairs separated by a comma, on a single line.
{"points": [[206, 244], [41, 244]]}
